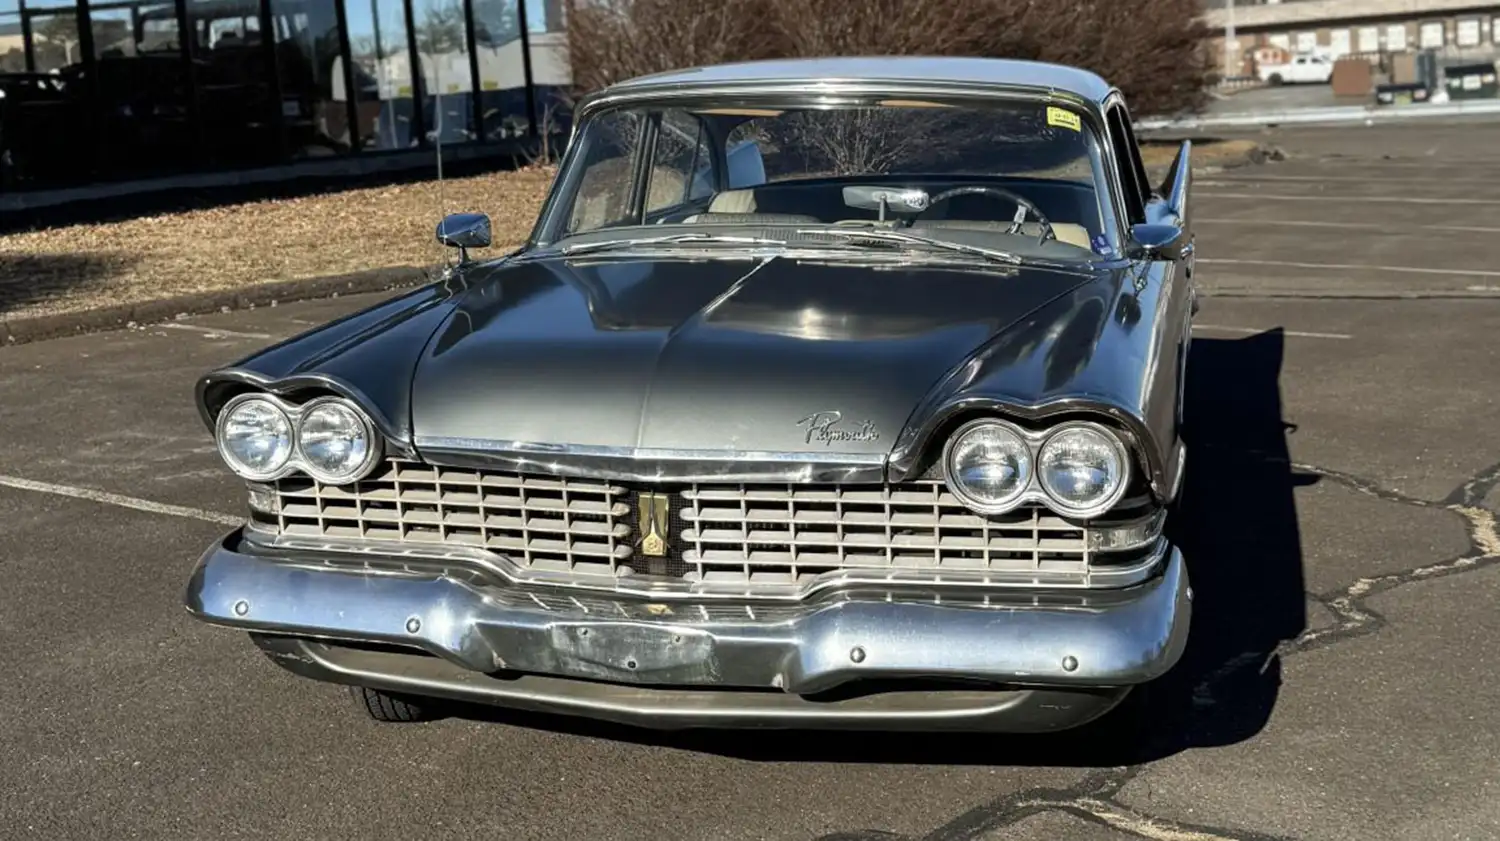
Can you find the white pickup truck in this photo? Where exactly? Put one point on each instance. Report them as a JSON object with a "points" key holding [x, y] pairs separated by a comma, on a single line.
{"points": [[1304, 69]]}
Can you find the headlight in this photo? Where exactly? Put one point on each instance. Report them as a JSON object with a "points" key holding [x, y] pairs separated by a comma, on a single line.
{"points": [[254, 437], [335, 441], [987, 465], [1082, 469]]}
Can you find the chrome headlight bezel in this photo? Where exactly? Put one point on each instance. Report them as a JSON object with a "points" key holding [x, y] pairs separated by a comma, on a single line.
{"points": [[234, 464], [372, 452], [1034, 491], [297, 461], [969, 500], [1109, 500]]}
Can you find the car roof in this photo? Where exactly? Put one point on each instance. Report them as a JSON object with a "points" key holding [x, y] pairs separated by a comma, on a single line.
{"points": [[881, 69]]}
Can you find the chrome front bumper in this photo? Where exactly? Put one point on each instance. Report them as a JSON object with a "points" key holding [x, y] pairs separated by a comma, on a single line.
{"points": [[678, 663]]}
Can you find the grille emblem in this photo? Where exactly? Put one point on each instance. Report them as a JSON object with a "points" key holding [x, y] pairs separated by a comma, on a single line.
{"points": [[654, 524]]}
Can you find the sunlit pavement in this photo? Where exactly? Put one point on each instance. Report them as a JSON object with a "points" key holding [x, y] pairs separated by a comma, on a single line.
{"points": [[1340, 685]]}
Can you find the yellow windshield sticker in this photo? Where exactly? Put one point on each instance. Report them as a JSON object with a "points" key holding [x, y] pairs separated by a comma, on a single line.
{"points": [[1063, 119]]}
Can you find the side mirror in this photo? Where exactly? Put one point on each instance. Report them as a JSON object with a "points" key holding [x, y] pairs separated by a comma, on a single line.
{"points": [[464, 231], [1158, 242]]}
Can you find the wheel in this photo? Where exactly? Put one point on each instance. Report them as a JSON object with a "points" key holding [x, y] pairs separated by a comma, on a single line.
{"points": [[383, 706], [1276, 80]]}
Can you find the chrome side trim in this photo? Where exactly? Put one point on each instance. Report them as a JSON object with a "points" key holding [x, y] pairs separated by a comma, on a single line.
{"points": [[644, 464], [1122, 638]]}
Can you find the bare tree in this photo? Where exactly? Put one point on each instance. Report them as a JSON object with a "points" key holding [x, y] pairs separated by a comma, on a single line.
{"points": [[1153, 49]]}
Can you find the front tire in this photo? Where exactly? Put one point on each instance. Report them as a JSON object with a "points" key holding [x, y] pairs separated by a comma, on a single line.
{"points": [[385, 707], [1276, 80]]}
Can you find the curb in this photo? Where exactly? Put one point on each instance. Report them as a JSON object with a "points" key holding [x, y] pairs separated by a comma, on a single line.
{"points": [[37, 328]]}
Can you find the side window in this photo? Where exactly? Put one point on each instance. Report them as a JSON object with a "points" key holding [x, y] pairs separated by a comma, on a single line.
{"points": [[681, 159], [603, 194], [1135, 155], [1132, 174]]}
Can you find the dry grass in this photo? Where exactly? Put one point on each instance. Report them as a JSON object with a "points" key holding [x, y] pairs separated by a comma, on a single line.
{"points": [[148, 258], [1204, 154], [87, 266]]}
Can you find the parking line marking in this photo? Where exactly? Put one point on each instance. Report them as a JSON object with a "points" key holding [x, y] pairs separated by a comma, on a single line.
{"points": [[1229, 261], [1361, 226], [1352, 199], [210, 331], [1225, 178], [1304, 334], [121, 500]]}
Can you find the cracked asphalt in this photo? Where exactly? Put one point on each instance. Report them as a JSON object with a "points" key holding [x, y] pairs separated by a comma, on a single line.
{"points": [[1344, 474]]}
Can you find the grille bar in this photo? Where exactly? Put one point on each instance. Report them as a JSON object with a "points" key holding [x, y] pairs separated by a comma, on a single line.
{"points": [[750, 534]]}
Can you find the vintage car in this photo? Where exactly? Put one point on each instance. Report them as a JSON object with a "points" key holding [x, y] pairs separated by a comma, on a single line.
{"points": [[824, 393]]}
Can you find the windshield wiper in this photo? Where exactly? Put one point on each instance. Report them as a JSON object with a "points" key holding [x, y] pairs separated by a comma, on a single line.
{"points": [[903, 238], [671, 239]]}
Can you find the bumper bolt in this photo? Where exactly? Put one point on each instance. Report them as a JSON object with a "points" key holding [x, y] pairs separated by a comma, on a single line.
{"points": [[857, 654], [241, 607], [413, 625], [1070, 663]]}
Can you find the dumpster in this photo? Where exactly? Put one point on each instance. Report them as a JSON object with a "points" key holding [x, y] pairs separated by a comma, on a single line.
{"points": [[1471, 81], [1401, 94]]}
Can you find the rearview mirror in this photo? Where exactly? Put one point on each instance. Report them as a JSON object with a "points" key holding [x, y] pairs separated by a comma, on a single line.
{"points": [[1158, 242], [464, 231]]}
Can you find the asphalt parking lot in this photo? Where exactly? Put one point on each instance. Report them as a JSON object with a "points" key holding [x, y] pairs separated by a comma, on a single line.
{"points": [[1342, 539]]}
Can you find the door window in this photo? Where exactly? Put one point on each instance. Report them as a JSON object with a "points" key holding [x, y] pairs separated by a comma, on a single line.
{"points": [[1132, 173], [681, 160]]}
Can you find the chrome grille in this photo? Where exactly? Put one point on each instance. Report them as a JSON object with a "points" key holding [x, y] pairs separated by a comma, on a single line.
{"points": [[571, 525], [734, 534]]}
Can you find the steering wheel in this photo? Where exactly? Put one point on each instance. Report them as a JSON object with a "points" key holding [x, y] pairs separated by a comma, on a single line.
{"points": [[1026, 205]]}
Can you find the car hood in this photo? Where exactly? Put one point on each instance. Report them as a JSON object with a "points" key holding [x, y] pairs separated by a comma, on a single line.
{"points": [[759, 355]]}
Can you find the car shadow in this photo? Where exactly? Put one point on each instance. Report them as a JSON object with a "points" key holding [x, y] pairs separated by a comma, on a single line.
{"points": [[1237, 528], [27, 279]]}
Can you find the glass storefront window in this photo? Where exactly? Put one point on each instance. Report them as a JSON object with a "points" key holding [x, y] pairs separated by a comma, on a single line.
{"points": [[55, 41], [47, 116], [232, 78], [141, 101], [383, 82], [314, 113], [502, 72], [111, 25], [12, 40], [132, 89], [442, 38], [550, 76]]}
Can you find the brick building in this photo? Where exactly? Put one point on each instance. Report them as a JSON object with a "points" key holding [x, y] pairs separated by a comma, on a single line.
{"points": [[1455, 29]]}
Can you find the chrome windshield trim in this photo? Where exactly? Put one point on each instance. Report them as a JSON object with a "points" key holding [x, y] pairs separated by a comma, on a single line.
{"points": [[818, 92], [649, 464]]}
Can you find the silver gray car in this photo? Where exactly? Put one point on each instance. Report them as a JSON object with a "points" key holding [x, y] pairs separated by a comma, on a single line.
{"points": [[824, 393]]}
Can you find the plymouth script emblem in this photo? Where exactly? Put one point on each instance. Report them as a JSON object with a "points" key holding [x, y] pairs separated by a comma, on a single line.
{"points": [[654, 524], [824, 428]]}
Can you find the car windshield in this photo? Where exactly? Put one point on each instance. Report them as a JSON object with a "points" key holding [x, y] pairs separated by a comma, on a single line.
{"points": [[1019, 177]]}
